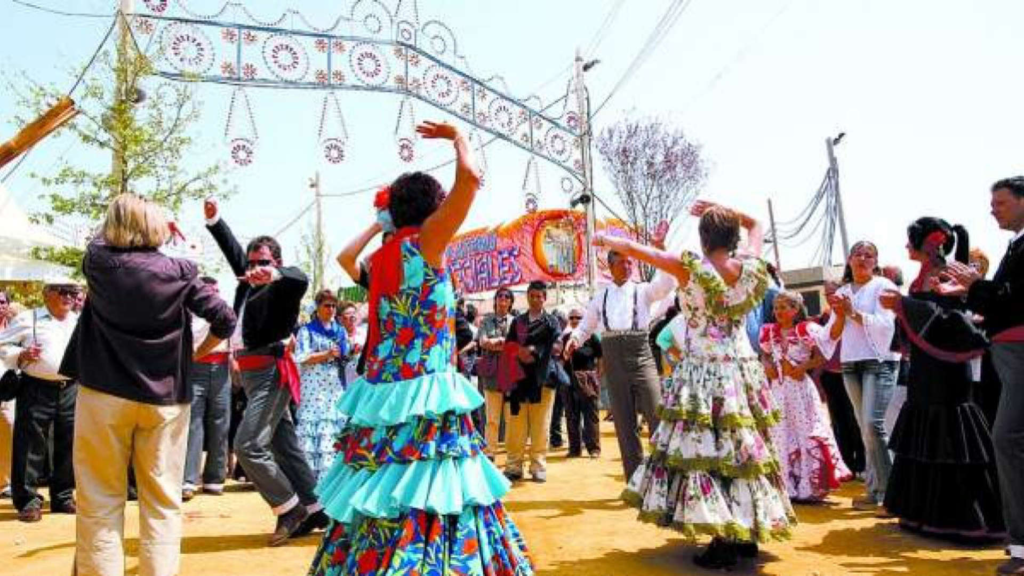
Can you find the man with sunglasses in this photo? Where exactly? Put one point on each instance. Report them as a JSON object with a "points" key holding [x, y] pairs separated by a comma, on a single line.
{"points": [[267, 302], [35, 343]]}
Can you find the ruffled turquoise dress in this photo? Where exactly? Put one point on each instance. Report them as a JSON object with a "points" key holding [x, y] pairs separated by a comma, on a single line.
{"points": [[411, 491]]}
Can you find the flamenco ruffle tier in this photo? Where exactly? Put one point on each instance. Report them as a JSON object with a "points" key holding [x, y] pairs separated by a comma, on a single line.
{"points": [[409, 445], [944, 477], [710, 471], [411, 490]]}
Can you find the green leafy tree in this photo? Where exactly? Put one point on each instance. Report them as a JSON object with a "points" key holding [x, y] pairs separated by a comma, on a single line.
{"points": [[138, 128]]}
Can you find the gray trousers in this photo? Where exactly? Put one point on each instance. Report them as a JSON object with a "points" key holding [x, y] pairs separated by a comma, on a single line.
{"points": [[1008, 436], [632, 380], [211, 416], [267, 446]]}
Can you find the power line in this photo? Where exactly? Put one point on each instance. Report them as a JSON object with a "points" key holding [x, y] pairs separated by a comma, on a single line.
{"points": [[61, 12], [74, 86], [660, 31], [606, 25], [740, 55]]}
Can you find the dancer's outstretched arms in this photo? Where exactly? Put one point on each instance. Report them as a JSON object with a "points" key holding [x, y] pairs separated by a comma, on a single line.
{"points": [[660, 259], [348, 258], [439, 228]]}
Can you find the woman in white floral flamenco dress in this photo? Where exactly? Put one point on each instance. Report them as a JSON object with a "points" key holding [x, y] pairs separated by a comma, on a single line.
{"points": [[712, 469], [808, 454]]}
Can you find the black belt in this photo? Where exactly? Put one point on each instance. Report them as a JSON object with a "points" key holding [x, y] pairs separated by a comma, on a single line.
{"points": [[59, 384]]}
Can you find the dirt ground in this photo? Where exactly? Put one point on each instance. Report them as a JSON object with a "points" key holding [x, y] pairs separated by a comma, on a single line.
{"points": [[574, 525]]}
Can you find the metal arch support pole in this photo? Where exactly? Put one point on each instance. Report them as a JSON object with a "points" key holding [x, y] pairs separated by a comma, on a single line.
{"points": [[318, 241], [834, 167], [587, 176]]}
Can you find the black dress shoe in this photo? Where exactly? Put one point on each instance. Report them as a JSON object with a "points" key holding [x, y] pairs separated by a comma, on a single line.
{"points": [[65, 507], [746, 549], [717, 556], [287, 524], [316, 521]]}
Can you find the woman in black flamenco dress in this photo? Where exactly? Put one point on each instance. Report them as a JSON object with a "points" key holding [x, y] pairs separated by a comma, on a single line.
{"points": [[943, 481]]}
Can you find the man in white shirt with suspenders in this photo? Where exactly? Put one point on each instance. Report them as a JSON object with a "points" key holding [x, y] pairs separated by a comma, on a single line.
{"points": [[621, 313]]}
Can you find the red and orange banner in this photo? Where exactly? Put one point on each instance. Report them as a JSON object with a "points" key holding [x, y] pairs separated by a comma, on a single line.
{"points": [[546, 245]]}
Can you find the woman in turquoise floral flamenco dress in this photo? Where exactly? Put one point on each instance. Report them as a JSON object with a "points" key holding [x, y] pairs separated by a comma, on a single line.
{"points": [[411, 491], [712, 469]]}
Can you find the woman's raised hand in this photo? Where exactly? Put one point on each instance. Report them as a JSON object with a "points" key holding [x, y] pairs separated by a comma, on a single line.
{"points": [[700, 207], [441, 130]]}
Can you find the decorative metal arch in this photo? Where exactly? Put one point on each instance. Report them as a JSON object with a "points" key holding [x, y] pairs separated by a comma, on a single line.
{"points": [[371, 49]]}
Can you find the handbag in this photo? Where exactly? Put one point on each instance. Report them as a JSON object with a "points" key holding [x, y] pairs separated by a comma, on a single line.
{"points": [[10, 385], [557, 376], [487, 365], [510, 372]]}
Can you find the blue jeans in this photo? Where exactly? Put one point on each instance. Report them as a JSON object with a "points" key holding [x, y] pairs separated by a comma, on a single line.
{"points": [[211, 415], [870, 385]]}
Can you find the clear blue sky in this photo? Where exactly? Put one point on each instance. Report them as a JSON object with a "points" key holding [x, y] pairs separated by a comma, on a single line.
{"points": [[928, 92]]}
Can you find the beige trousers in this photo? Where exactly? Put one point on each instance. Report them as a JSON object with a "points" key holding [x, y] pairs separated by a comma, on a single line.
{"points": [[110, 433], [494, 401], [534, 423], [6, 442]]}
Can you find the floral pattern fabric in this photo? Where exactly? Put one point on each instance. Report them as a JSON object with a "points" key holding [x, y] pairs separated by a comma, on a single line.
{"points": [[713, 469], [809, 456], [425, 443]]}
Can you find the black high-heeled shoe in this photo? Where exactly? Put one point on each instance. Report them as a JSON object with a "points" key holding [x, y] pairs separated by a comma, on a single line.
{"points": [[717, 556]]}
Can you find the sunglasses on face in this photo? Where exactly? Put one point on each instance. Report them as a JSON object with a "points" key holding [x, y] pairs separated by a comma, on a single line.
{"points": [[255, 263], [64, 292], [328, 305], [575, 318]]}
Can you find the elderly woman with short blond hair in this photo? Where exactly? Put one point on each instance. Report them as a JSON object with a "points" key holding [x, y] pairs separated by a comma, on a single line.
{"points": [[132, 352]]}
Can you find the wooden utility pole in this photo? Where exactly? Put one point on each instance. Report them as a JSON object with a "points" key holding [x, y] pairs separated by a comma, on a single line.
{"points": [[122, 96], [775, 236], [830, 144]]}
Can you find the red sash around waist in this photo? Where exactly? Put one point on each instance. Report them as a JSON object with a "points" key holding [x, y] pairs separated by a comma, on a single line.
{"points": [[214, 358], [287, 370]]}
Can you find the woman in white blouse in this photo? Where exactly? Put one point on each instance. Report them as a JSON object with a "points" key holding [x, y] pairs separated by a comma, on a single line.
{"points": [[869, 366]]}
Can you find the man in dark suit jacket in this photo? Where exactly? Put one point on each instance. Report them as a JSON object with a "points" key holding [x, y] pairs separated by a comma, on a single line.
{"points": [[267, 302], [1001, 302]]}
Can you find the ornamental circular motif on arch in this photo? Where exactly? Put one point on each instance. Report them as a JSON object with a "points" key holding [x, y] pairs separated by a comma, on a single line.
{"points": [[503, 117], [187, 48], [441, 85], [286, 57], [158, 6], [558, 145], [334, 150], [243, 151], [369, 64]]}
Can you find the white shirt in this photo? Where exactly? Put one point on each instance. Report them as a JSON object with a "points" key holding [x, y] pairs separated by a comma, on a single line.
{"points": [[354, 339], [871, 338], [200, 330], [619, 309], [1017, 236], [51, 334]]}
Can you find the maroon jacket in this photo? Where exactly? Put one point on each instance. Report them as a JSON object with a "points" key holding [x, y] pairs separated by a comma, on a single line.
{"points": [[134, 336]]}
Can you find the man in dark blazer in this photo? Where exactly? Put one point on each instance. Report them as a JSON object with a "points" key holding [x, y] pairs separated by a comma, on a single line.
{"points": [[1001, 303], [267, 302]]}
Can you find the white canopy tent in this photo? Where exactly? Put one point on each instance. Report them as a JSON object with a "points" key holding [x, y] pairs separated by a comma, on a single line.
{"points": [[18, 236]]}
